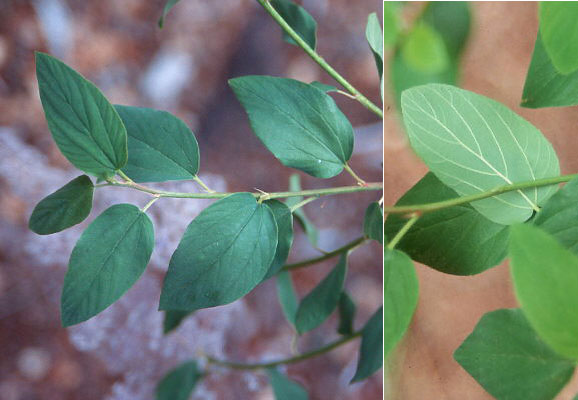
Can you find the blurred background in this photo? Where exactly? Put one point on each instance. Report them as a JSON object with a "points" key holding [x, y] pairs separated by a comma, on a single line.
{"points": [[121, 353]]}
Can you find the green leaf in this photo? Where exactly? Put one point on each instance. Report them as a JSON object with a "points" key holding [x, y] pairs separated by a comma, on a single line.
{"points": [[545, 277], [110, 256], [310, 230], [509, 360], [300, 124], [84, 125], [390, 23], [371, 350], [160, 146], [168, 5], [346, 314], [68, 206], [287, 297], [284, 388], [559, 215], [545, 86], [299, 19], [400, 288], [179, 383], [225, 252], [455, 240], [560, 33], [373, 222], [284, 221], [318, 305], [474, 144], [374, 38], [322, 86], [173, 319], [424, 50]]}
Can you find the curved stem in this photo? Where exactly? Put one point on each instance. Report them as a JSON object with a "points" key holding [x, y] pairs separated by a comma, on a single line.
{"points": [[404, 229], [326, 256], [202, 184], [290, 360], [319, 60], [354, 175], [303, 202], [429, 207]]}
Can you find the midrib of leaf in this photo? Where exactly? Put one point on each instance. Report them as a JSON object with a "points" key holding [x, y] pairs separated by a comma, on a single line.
{"points": [[163, 154]]}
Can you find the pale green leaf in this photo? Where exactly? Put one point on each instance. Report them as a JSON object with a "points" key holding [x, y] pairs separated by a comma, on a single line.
{"points": [[424, 50], [284, 388], [179, 383], [286, 295], [284, 221], [299, 19], [474, 144], [374, 37], [373, 222], [225, 252], [346, 309], [390, 23], [371, 349], [110, 256], [559, 31]]}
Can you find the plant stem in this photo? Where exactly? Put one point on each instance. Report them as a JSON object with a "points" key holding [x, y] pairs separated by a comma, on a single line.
{"points": [[202, 184], [290, 360], [326, 256], [259, 195], [303, 202], [404, 229], [150, 203], [124, 176], [429, 207], [360, 181], [319, 60]]}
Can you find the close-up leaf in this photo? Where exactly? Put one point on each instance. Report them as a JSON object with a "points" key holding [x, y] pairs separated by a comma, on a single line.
{"points": [[474, 144], [545, 277], [400, 291], [110, 256], [178, 384], [287, 296], [284, 221], [168, 5], [84, 125], [322, 300], [299, 19], [66, 207], [173, 319], [225, 252], [160, 146], [455, 240], [284, 388], [346, 308], [424, 50], [373, 222], [371, 349], [300, 124], [322, 86], [390, 23], [509, 360], [560, 34], [374, 37]]}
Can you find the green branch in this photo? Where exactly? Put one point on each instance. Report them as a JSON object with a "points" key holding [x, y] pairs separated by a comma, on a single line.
{"points": [[291, 360], [354, 243], [319, 60], [429, 207]]}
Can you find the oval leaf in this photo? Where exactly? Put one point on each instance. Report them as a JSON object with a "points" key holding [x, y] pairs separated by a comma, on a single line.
{"points": [[509, 360], [284, 388], [299, 19], [68, 206], [179, 383], [286, 295], [322, 300], [284, 220], [560, 33], [84, 125], [225, 252], [346, 314], [300, 124], [545, 278], [371, 350], [373, 222], [474, 144], [110, 256], [456, 240], [424, 50], [160, 146], [400, 290]]}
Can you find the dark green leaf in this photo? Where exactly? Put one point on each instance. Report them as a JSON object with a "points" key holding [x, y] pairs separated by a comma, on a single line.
{"points": [[110, 256], [545, 86], [84, 125], [284, 388], [299, 19], [373, 222], [455, 240], [173, 319], [299, 214], [346, 314], [559, 215], [224, 253], [284, 220], [400, 288], [374, 38], [160, 146], [68, 206], [474, 144], [545, 278], [168, 5], [324, 87], [322, 300], [179, 383], [286, 295], [424, 50], [300, 124], [560, 33], [371, 350], [509, 360]]}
